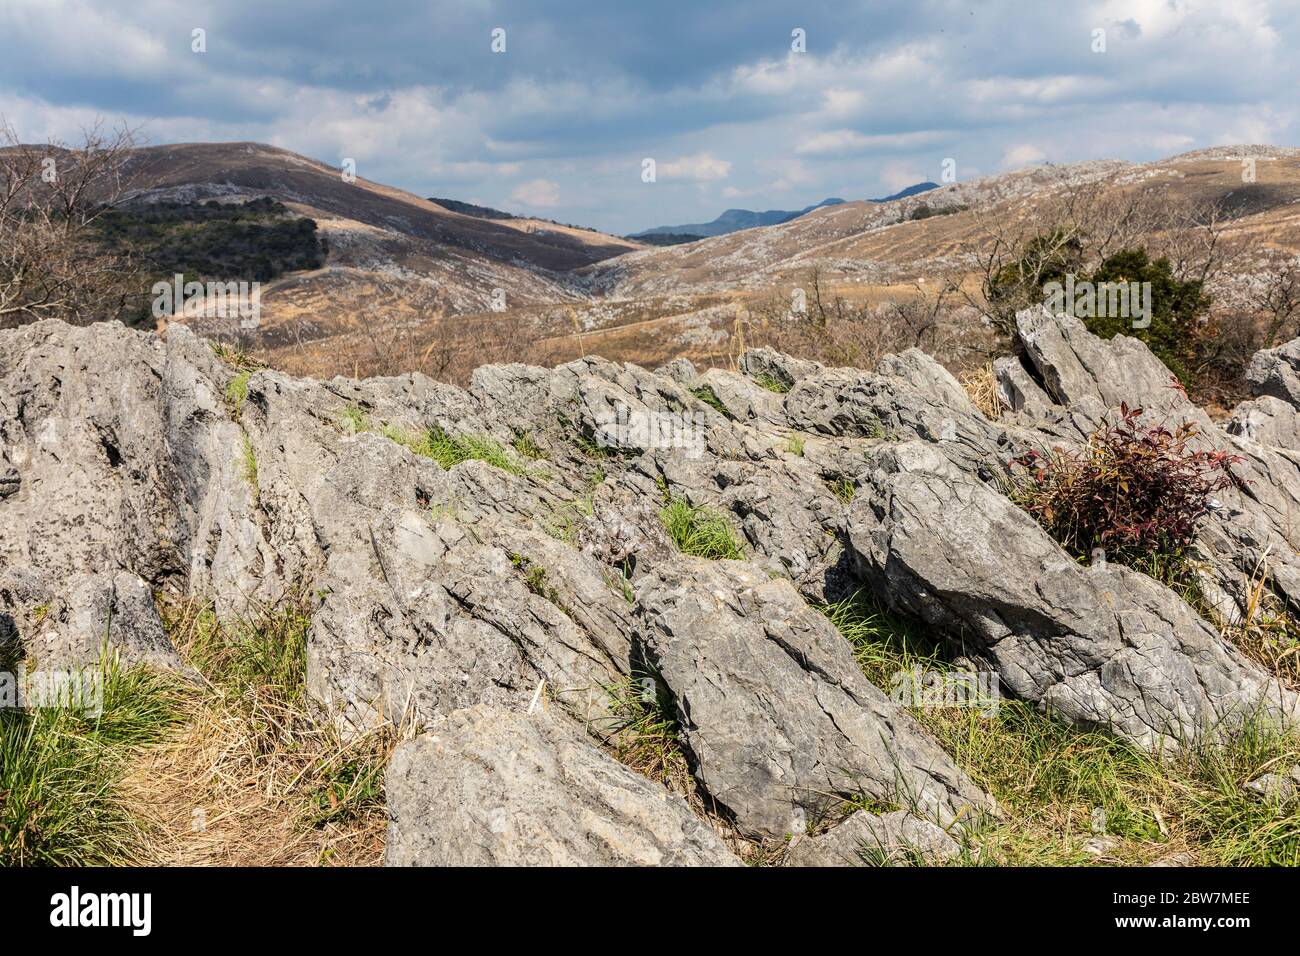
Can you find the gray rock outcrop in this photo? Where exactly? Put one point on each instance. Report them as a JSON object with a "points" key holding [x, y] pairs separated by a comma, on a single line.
{"points": [[469, 551], [486, 787], [778, 717]]}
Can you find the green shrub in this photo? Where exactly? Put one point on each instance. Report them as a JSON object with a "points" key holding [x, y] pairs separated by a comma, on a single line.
{"points": [[1176, 308], [254, 241]]}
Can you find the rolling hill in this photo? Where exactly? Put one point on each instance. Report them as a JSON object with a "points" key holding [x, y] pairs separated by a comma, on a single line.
{"points": [[407, 278]]}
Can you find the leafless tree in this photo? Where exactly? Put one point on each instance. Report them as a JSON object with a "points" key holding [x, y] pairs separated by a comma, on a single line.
{"points": [[1278, 300], [51, 198], [836, 330]]}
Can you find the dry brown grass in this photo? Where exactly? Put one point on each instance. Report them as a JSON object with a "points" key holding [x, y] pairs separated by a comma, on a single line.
{"points": [[253, 777], [202, 812], [981, 385], [1267, 633]]}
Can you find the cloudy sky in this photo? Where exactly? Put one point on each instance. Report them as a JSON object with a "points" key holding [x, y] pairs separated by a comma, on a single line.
{"points": [[558, 125]]}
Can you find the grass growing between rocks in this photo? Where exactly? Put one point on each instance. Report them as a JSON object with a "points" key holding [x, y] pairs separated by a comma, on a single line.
{"points": [[248, 775], [844, 489], [1078, 796], [450, 450], [772, 384], [709, 397], [237, 392], [446, 449], [700, 531], [61, 769], [646, 737], [248, 461], [527, 446], [236, 357]]}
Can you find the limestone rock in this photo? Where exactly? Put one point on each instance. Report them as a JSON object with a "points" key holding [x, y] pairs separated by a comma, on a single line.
{"points": [[489, 787], [1100, 644], [776, 714], [890, 839]]}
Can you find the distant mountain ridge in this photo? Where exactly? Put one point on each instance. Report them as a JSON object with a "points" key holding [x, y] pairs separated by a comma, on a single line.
{"points": [[911, 190], [734, 220]]}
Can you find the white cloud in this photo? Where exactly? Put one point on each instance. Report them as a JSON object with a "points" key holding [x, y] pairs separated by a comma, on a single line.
{"points": [[839, 102], [700, 167], [1022, 154], [876, 104], [842, 141], [833, 141], [537, 192], [898, 174]]}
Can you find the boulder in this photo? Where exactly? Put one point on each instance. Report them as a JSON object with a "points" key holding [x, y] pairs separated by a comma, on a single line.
{"points": [[84, 620], [1098, 644], [491, 787], [1276, 372], [889, 839], [782, 369], [779, 721], [1282, 787]]}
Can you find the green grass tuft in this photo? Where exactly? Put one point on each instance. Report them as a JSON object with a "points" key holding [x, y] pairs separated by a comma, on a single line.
{"points": [[450, 450], [60, 771], [700, 531], [647, 736], [527, 447], [354, 420], [248, 462], [236, 357], [763, 380], [237, 392], [709, 397], [844, 489]]}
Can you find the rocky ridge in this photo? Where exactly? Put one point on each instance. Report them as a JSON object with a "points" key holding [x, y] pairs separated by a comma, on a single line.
{"points": [[498, 600]]}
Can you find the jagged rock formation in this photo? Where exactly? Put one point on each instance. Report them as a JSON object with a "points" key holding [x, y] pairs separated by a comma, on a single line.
{"points": [[539, 570]]}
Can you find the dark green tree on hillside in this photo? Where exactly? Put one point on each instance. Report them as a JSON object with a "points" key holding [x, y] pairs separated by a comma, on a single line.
{"points": [[1177, 307]]}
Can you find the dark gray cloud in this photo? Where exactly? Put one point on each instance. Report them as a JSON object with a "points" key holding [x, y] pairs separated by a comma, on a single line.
{"points": [[558, 125]]}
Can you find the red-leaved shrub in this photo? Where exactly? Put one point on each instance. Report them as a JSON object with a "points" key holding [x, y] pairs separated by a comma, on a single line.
{"points": [[1136, 491]]}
